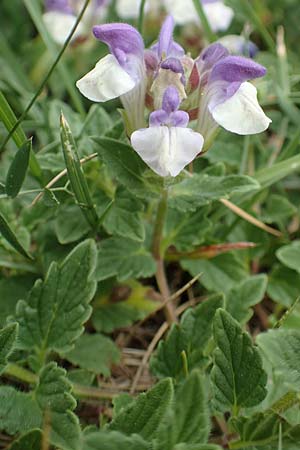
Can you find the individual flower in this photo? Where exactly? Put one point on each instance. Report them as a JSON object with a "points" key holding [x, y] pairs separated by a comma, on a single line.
{"points": [[61, 15], [218, 15], [121, 73], [226, 97], [167, 146], [239, 45]]}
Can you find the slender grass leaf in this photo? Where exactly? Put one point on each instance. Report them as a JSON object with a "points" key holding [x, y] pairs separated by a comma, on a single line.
{"points": [[144, 415], [237, 376], [17, 170], [7, 339], [10, 236], [76, 175], [55, 310]]}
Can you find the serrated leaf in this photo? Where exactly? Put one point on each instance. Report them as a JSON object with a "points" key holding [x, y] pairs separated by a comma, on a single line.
{"points": [[219, 274], [200, 189], [191, 424], [17, 170], [10, 236], [289, 255], [7, 339], [113, 441], [237, 376], [53, 315], [29, 441], [14, 408], [94, 352], [125, 259], [53, 395], [76, 174], [122, 162], [143, 416], [244, 295], [282, 349], [190, 336]]}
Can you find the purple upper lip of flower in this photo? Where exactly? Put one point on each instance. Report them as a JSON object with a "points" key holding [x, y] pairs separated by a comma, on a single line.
{"points": [[59, 5]]}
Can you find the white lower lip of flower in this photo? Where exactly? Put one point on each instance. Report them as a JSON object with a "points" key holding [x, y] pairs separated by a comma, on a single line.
{"points": [[106, 81], [167, 150], [59, 25], [242, 113], [218, 15]]}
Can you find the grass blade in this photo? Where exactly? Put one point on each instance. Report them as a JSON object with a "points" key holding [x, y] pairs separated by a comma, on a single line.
{"points": [[209, 34], [10, 236], [76, 175]]}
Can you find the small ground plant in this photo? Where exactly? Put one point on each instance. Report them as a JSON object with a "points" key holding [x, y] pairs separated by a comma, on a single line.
{"points": [[149, 225]]}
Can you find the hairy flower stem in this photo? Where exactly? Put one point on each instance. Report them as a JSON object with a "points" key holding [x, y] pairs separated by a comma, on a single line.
{"points": [[158, 254]]}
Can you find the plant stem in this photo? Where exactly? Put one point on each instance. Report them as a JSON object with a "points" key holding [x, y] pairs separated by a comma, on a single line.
{"points": [[209, 34], [141, 16], [161, 278], [84, 392]]}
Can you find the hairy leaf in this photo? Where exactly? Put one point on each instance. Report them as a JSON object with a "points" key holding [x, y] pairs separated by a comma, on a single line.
{"points": [[238, 377], [53, 395], [244, 295], [125, 259], [29, 441], [94, 352], [7, 340], [56, 309], [282, 349], [144, 415], [289, 255], [114, 440]]}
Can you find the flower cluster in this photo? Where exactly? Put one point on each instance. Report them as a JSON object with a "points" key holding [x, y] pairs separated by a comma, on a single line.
{"points": [[205, 93], [60, 15]]}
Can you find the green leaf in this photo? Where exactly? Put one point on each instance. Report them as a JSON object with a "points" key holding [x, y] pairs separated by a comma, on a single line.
{"points": [[122, 162], [278, 209], [53, 315], [191, 423], [94, 352], [76, 174], [18, 411], [17, 170], [53, 395], [284, 286], [219, 274], [282, 349], [125, 259], [29, 441], [201, 189], [244, 295], [183, 231], [124, 218], [12, 289], [113, 441], [289, 255], [144, 415], [190, 336], [10, 236], [238, 377], [7, 340], [69, 225]]}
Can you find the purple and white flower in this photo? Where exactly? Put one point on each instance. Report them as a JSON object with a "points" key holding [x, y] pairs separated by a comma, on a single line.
{"points": [[121, 73], [167, 146], [61, 15], [238, 45], [218, 15], [226, 97]]}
